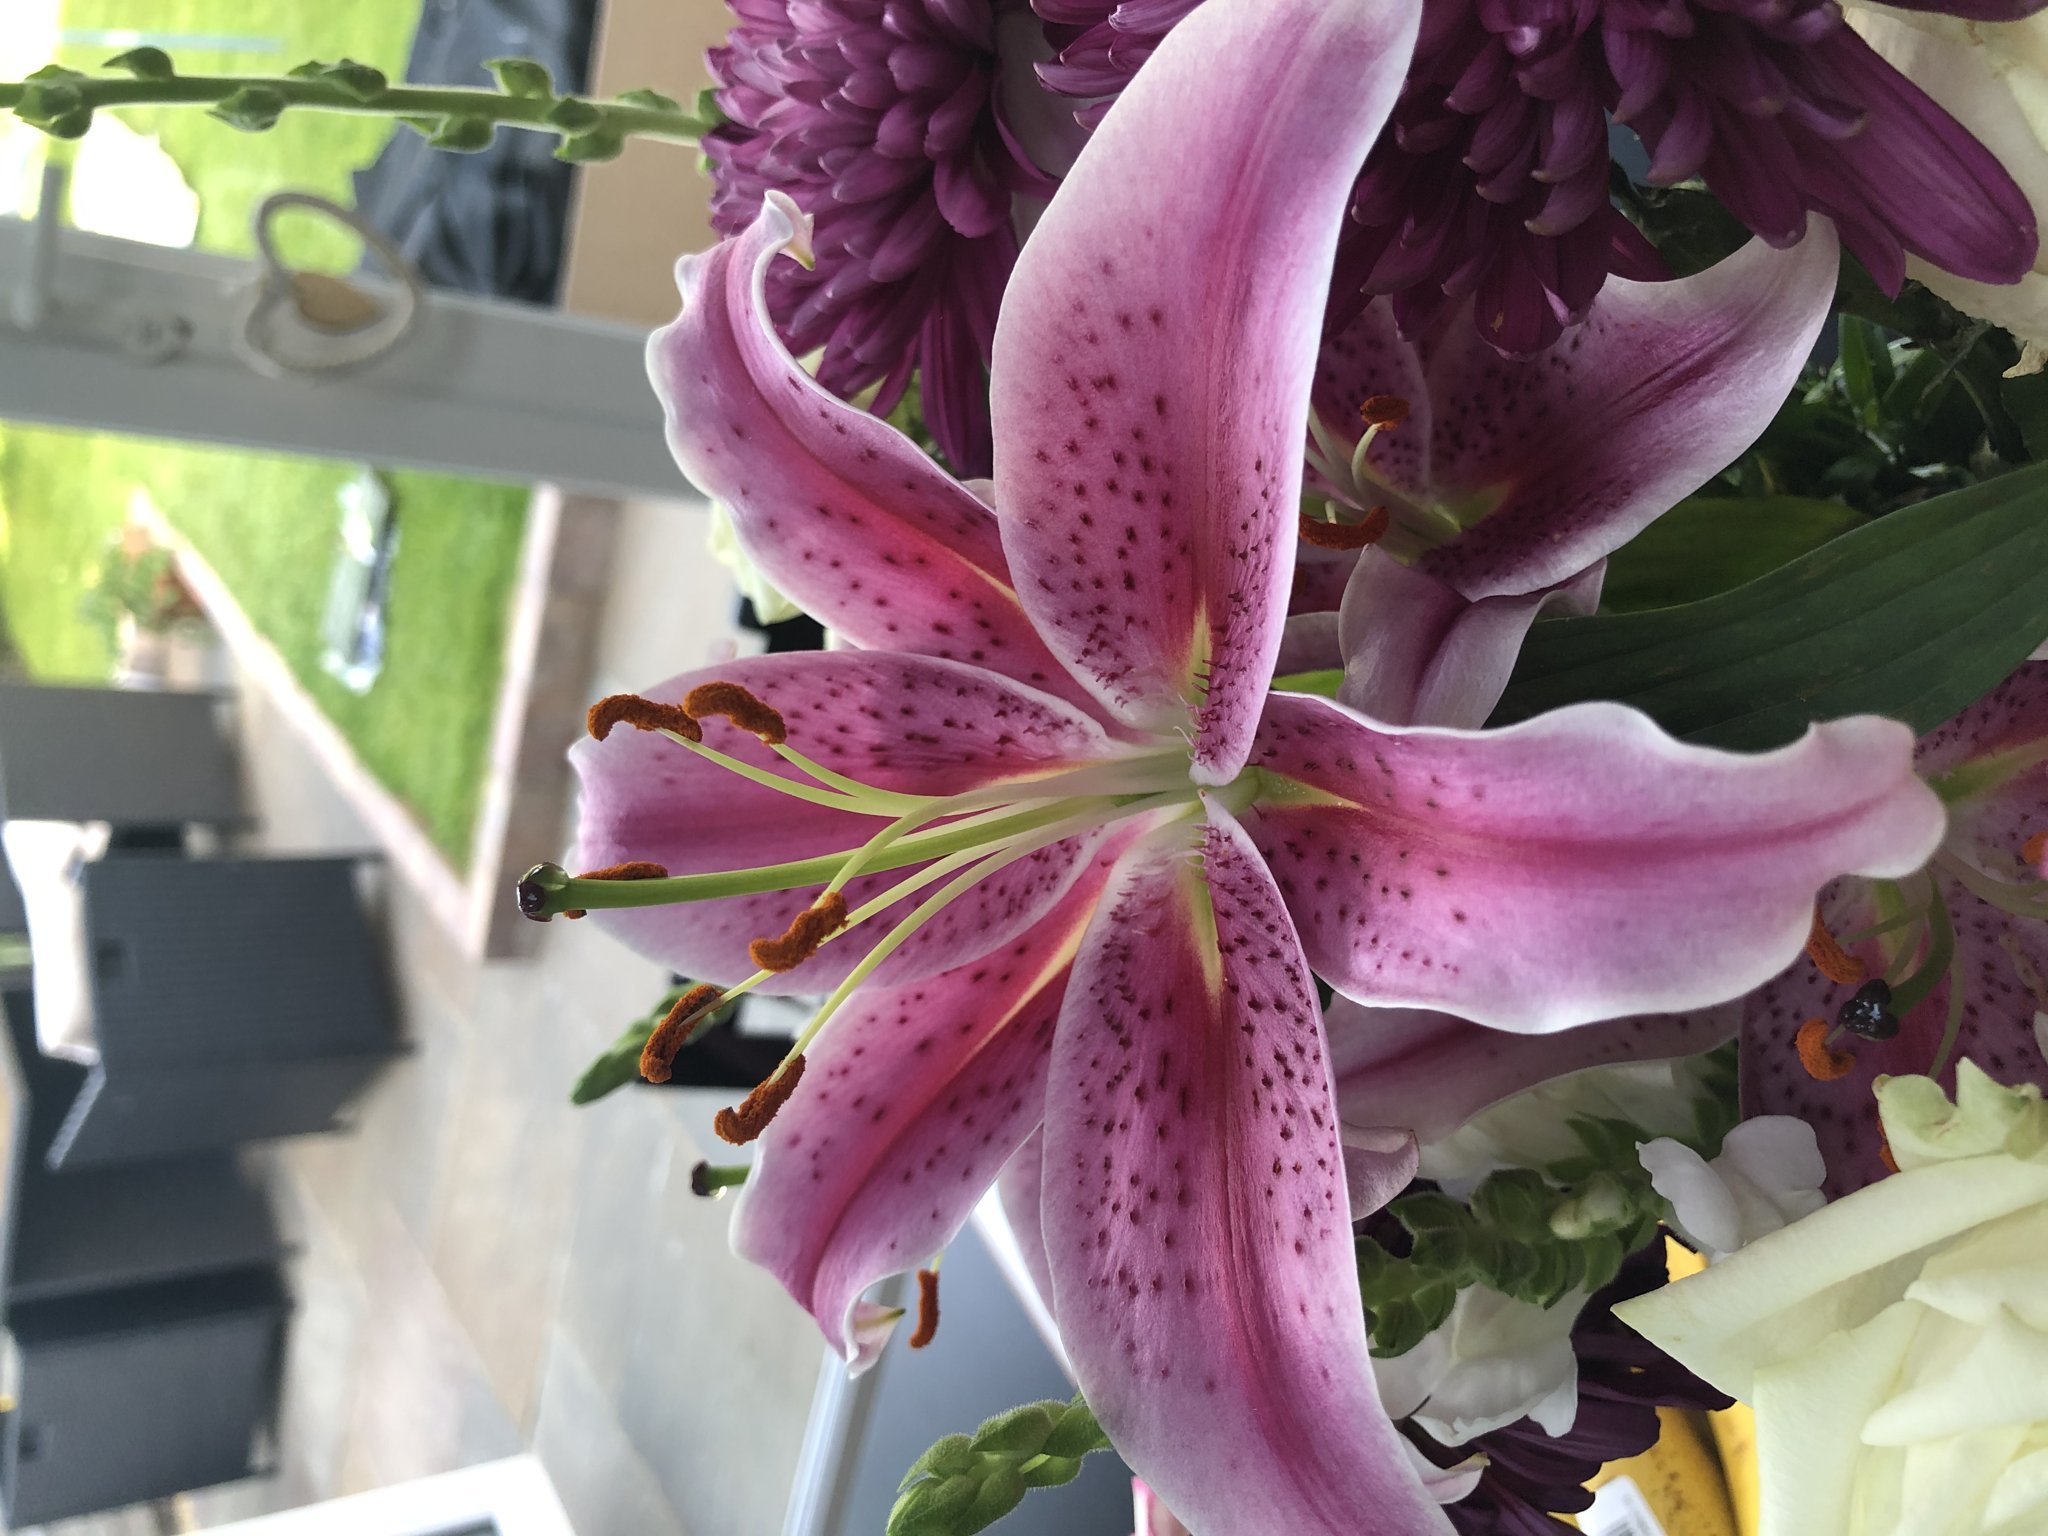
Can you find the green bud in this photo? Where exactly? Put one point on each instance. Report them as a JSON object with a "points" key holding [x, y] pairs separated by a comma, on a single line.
{"points": [[57, 72], [591, 148], [1021, 1432], [1076, 1433], [144, 63], [69, 125], [360, 80], [521, 77], [463, 135], [1051, 1471], [253, 109], [572, 114], [45, 102], [1601, 1206], [949, 1458], [654, 99], [1001, 1491], [935, 1507]]}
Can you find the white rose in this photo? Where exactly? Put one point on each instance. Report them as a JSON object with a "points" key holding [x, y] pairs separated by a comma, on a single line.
{"points": [[1492, 1361], [1992, 76], [1768, 1175], [1894, 1344]]}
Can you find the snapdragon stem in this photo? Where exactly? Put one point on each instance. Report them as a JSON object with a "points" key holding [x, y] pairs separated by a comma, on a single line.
{"points": [[500, 108]]}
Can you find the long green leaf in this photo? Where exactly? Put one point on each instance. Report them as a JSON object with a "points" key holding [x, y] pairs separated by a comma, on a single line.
{"points": [[1913, 616], [1712, 544]]}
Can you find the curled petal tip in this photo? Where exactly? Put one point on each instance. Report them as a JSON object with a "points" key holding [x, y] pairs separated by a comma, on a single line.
{"points": [[797, 241]]}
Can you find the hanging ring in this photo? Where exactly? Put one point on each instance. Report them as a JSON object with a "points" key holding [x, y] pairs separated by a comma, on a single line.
{"points": [[295, 324]]}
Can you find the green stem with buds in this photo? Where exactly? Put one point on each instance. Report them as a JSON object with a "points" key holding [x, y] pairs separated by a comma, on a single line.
{"points": [[61, 102]]}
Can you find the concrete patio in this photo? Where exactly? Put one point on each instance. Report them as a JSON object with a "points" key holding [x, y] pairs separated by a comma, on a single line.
{"points": [[484, 1267]]}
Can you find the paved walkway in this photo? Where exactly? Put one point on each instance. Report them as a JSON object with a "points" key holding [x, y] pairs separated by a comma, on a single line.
{"points": [[485, 1267]]}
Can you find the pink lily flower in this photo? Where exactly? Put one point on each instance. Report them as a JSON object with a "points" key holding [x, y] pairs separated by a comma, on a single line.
{"points": [[1818, 1037], [1510, 481], [1060, 856]]}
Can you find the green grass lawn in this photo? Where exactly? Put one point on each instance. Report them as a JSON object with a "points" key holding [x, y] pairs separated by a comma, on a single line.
{"points": [[267, 525]]}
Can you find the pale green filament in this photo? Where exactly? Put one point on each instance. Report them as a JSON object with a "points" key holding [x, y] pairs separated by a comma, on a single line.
{"points": [[2028, 900], [953, 890]]}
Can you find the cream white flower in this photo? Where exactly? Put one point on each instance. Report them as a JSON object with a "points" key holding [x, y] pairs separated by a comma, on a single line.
{"points": [[1993, 78], [1492, 1361], [1768, 1175], [1894, 1344]]}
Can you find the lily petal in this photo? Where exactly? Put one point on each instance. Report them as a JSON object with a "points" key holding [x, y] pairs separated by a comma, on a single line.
{"points": [[1196, 1217], [896, 722], [1580, 866], [1658, 389], [838, 509], [912, 1101], [1428, 1073], [1151, 371], [1417, 652]]}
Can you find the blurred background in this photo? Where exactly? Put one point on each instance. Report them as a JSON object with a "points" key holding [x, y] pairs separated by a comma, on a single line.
{"points": [[296, 1206]]}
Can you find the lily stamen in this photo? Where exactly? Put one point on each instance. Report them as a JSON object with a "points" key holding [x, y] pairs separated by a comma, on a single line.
{"points": [[741, 706], [632, 869], [640, 713], [2034, 851], [1830, 959], [1822, 1062], [1335, 534], [807, 930], [927, 1307], [741, 1125], [658, 1055]]}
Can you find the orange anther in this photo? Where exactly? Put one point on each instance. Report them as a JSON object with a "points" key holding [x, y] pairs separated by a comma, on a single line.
{"points": [[1833, 961], [927, 1308], [1384, 410], [1822, 1062], [1369, 529], [658, 1055], [641, 714], [2035, 849], [810, 928], [739, 706], [740, 1126]]}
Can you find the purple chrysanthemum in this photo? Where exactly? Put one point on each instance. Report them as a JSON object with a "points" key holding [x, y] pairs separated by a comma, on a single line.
{"points": [[1623, 1380], [886, 121], [1493, 179]]}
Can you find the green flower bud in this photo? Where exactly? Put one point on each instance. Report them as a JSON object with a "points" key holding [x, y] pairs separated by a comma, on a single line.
{"points": [[521, 77], [1021, 1432], [464, 135], [253, 109], [654, 99], [144, 63], [1076, 1434], [591, 148], [574, 115]]}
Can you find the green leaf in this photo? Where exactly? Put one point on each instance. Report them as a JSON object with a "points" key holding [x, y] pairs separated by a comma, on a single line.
{"points": [[1021, 1432], [1913, 616], [1001, 1491], [56, 72], [1051, 1471], [44, 102], [144, 63], [253, 109], [590, 148], [2026, 400], [1712, 544], [707, 110], [653, 99], [572, 114], [361, 81], [1866, 367], [521, 77], [619, 1064], [463, 135], [935, 1507], [949, 1458], [1077, 1434]]}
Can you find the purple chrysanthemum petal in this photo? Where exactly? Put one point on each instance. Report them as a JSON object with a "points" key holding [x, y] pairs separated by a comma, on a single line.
{"points": [[1491, 181], [882, 119]]}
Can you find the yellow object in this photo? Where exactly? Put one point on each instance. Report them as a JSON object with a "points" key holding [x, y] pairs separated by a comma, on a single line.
{"points": [[1678, 1478], [1735, 1436]]}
